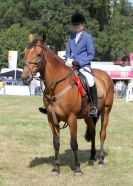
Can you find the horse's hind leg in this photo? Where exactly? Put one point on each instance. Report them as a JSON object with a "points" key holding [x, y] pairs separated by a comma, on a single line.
{"points": [[90, 136], [73, 142], [56, 144], [104, 122]]}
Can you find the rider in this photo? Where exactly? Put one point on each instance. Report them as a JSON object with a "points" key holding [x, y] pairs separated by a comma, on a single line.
{"points": [[79, 53]]}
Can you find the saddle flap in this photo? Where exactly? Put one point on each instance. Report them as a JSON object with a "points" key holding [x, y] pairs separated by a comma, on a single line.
{"points": [[100, 91]]}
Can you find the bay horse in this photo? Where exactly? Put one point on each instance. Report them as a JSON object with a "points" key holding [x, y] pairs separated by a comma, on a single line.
{"points": [[63, 101]]}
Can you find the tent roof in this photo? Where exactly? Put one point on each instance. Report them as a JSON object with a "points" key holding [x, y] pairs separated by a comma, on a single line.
{"points": [[11, 73], [8, 69]]}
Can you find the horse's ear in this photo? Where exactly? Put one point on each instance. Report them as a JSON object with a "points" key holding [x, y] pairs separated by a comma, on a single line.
{"points": [[31, 38], [44, 38]]}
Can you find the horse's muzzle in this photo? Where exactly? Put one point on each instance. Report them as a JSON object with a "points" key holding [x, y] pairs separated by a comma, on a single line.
{"points": [[26, 80]]}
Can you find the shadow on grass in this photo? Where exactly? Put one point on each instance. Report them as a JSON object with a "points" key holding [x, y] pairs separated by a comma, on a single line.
{"points": [[66, 158]]}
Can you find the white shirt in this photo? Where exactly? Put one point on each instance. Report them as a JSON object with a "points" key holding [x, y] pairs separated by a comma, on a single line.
{"points": [[78, 34]]}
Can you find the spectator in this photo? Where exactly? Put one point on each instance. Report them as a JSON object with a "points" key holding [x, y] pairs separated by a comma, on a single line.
{"points": [[118, 88], [123, 89]]}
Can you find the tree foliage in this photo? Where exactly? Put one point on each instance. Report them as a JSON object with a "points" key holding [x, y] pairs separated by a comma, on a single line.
{"points": [[109, 22]]}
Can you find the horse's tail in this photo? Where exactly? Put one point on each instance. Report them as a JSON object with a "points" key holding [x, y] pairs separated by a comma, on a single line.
{"points": [[88, 135]]}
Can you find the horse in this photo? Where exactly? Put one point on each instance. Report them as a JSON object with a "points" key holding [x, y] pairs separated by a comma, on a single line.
{"points": [[63, 100]]}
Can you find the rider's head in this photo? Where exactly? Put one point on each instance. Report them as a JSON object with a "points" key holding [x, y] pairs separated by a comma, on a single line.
{"points": [[78, 21], [77, 18]]}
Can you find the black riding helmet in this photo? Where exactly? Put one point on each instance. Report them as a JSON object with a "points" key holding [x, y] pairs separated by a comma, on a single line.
{"points": [[77, 18]]}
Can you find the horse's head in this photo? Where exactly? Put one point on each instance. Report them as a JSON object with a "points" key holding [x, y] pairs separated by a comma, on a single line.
{"points": [[33, 58]]}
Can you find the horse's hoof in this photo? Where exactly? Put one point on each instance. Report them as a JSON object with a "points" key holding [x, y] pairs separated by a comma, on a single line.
{"points": [[55, 172], [92, 158], [91, 161], [78, 173], [101, 162]]}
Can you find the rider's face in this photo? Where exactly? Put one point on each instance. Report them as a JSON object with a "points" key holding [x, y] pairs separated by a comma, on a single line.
{"points": [[78, 27]]}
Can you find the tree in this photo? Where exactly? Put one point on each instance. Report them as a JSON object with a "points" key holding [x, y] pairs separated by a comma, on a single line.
{"points": [[14, 38], [109, 22], [120, 31]]}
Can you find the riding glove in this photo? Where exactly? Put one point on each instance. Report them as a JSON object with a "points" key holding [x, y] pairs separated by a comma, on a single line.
{"points": [[69, 62], [76, 64]]}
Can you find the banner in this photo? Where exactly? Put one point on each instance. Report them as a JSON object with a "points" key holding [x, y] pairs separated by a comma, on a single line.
{"points": [[12, 59]]}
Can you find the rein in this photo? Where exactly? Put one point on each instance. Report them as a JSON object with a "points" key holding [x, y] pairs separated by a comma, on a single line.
{"points": [[54, 83]]}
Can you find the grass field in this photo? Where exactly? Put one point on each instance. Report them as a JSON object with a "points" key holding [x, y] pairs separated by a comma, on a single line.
{"points": [[26, 151]]}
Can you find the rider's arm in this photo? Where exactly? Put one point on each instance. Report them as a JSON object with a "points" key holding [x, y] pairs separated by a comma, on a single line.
{"points": [[90, 48], [88, 54]]}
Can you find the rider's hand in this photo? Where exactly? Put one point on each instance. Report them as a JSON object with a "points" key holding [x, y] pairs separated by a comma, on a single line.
{"points": [[76, 64], [69, 62]]}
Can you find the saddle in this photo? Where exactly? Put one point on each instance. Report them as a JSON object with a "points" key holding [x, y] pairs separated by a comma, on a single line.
{"points": [[86, 87]]}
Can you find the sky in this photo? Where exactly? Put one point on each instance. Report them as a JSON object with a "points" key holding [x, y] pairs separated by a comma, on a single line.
{"points": [[131, 1]]}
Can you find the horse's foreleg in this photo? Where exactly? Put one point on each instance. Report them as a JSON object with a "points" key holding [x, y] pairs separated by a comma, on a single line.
{"points": [[73, 142], [56, 144], [104, 123], [90, 136]]}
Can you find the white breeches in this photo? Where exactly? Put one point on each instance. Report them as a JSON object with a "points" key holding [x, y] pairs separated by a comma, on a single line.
{"points": [[88, 76]]}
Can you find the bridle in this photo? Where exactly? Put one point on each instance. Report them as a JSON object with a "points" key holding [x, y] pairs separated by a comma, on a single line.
{"points": [[37, 64]]}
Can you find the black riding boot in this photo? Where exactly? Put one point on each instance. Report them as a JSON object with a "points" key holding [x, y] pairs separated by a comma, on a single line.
{"points": [[94, 99], [43, 110]]}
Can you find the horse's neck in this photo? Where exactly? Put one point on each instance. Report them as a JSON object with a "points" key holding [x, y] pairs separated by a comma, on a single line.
{"points": [[55, 69]]}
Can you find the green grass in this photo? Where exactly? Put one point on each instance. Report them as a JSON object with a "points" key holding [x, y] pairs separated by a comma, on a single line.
{"points": [[26, 151]]}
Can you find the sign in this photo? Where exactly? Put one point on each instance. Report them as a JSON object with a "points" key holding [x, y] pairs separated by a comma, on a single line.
{"points": [[121, 75], [131, 59], [16, 90], [12, 59]]}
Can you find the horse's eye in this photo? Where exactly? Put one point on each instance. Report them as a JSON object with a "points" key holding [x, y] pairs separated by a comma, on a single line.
{"points": [[39, 55]]}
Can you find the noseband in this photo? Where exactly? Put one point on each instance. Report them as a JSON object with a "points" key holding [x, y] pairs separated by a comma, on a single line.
{"points": [[37, 64]]}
